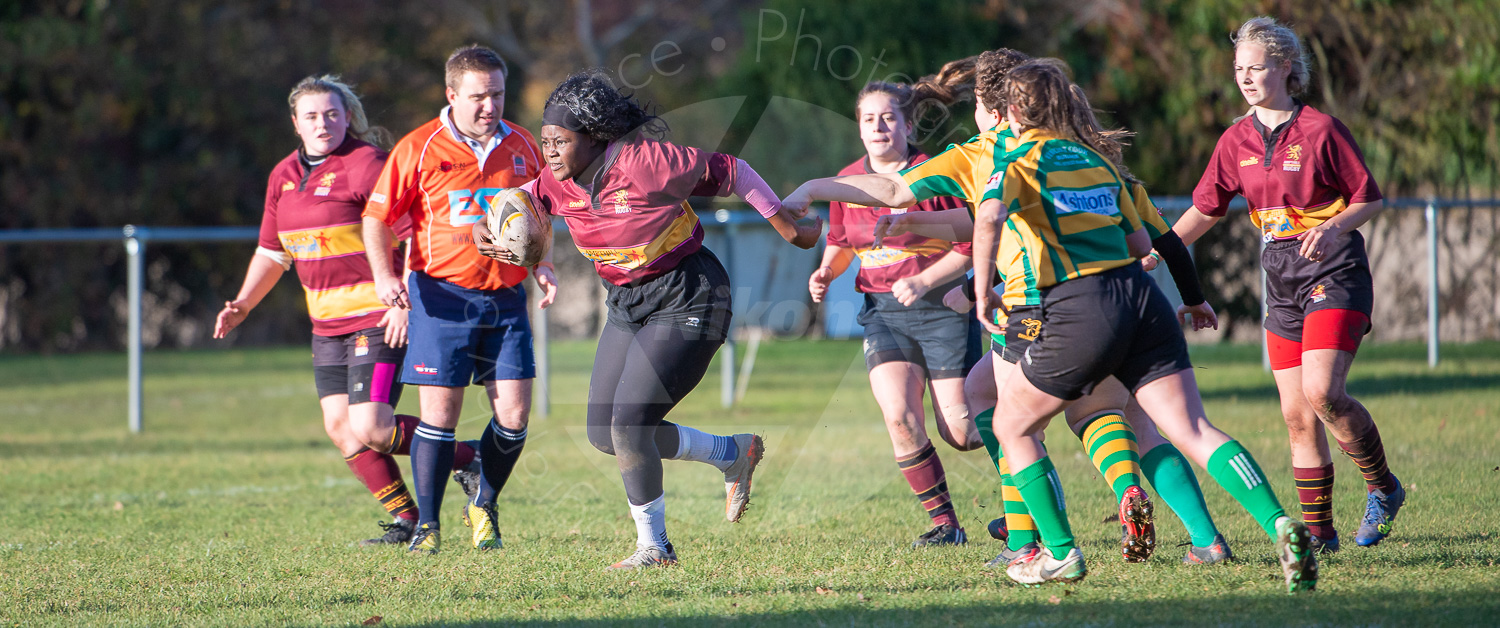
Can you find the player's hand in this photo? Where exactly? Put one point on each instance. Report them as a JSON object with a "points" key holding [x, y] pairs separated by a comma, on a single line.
{"points": [[547, 280], [484, 243], [908, 289], [394, 323], [391, 291], [957, 301], [1317, 241], [890, 226], [987, 304], [797, 203], [1200, 316], [1149, 262], [817, 284], [808, 234], [230, 317]]}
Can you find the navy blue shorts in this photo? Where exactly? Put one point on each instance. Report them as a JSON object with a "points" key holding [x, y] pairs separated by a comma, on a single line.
{"points": [[457, 335]]}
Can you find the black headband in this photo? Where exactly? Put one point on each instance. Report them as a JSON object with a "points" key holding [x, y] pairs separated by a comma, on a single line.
{"points": [[561, 115]]}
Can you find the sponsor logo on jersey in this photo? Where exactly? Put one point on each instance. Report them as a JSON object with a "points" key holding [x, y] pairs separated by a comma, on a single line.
{"points": [[466, 207], [1249, 162], [622, 202], [897, 211], [327, 180], [377, 198], [361, 346], [1318, 295], [323, 191], [577, 204], [1293, 161], [518, 165], [1102, 201], [1291, 166], [1065, 153], [288, 186], [424, 369], [449, 166], [994, 182]]}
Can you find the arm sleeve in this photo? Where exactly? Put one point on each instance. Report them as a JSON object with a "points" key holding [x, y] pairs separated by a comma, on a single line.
{"points": [[1348, 172], [1220, 182], [1180, 262], [394, 192], [747, 184]]}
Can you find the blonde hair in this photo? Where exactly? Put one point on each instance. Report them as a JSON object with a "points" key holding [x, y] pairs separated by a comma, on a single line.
{"points": [[1282, 46], [359, 125]]}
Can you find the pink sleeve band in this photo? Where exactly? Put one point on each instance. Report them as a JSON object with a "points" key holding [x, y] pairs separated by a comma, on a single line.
{"points": [[749, 186]]}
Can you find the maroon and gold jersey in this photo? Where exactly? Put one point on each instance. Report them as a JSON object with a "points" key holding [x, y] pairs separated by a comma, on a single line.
{"points": [[638, 224], [853, 226], [436, 179], [313, 218], [1309, 171]]}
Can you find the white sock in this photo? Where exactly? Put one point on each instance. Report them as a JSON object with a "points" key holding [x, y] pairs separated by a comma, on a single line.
{"points": [[651, 523], [698, 446]]}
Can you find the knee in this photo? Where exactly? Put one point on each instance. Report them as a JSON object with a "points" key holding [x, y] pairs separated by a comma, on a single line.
{"points": [[514, 418], [1326, 402], [601, 439]]}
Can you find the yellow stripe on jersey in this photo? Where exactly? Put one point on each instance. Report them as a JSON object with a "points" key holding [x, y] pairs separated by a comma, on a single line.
{"points": [[343, 302], [315, 244], [1289, 222], [1151, 217], [886, 256], [630, 258]]}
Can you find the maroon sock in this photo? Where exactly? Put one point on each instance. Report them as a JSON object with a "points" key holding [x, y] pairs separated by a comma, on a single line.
{"points": [[1315, 491], [382, 476], [924, 472], [401, 435], [1367, 452], [463, 454]]}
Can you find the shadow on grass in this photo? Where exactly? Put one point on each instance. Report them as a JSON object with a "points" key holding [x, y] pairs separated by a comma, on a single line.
{"points": [[1338, 608], [1375, 386]]}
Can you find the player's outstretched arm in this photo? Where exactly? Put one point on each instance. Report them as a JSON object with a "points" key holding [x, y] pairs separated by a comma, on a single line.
{"points": [[259, 279], [871, 190], [1193, 224], [952, 225]]}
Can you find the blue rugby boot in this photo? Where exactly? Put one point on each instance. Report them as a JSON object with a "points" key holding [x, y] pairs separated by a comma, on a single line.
{"points": [[1380, 511]]}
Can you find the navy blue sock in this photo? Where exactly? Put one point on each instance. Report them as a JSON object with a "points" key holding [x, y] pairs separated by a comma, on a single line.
{"points": [[431, 464], [499, 449]]}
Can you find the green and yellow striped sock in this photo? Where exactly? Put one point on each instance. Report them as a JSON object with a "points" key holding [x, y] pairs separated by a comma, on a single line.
{"points": [[1018, 522], [1111, 444]]}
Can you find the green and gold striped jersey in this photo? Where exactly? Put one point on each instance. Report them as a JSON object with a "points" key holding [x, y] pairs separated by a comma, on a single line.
{"points": [[1067, 204]]}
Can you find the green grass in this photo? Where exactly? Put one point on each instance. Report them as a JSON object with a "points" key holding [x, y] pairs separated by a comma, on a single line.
{"points": [[233, 508]]}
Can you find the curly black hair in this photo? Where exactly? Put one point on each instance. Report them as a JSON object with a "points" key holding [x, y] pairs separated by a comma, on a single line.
{"points": [[607, 114]]}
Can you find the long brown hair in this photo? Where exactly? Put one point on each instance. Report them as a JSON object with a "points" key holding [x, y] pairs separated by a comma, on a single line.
{"points": [[981, 76], [1045, 99]]}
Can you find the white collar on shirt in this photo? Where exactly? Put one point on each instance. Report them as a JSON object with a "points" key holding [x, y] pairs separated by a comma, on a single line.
{"points": [[481, 151]]}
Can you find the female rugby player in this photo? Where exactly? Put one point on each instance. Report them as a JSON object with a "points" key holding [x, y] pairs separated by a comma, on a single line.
{"points": [[618, 186], [1102, 316], [1309, 191], [912, 343], [313, 204]]}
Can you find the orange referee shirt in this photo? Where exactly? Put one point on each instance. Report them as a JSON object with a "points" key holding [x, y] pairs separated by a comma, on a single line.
{"points": [[436, 178]]}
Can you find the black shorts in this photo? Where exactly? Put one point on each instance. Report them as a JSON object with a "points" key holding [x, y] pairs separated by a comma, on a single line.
{"points": [[1296, 286], [1113, 323], [359, 364], [693, 297], [1023, 326], [938, 339]]}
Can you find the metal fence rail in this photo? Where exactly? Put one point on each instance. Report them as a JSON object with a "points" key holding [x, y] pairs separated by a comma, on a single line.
{"points": [[135, 239]]}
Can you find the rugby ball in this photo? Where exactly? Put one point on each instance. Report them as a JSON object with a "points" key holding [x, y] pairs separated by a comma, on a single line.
{"points": [[516, 225]]}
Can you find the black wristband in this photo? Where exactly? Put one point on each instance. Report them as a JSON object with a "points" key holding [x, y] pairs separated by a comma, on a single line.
{"points": [[1180, 263]]}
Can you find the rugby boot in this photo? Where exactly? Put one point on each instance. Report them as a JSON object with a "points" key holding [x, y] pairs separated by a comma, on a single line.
{"points": [[998, 529], [1299, 563], [942, 534], [469, 476], [737, 476], [396, 532], [648, 557], [1007, 556], [1216, 552], [1038, 567], [486, 533], [1380, 511], [1139, 538], [1325, 546], [425, 540]]}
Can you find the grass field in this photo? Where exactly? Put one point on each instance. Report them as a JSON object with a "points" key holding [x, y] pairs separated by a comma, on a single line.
{"points": [[232, 508]]}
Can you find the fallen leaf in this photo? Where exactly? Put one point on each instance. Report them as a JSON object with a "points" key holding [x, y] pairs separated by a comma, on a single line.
{"points": [[860, 597], [823, 591], [374, 619], [119, 506], [1442, 424], [1054, 600]]}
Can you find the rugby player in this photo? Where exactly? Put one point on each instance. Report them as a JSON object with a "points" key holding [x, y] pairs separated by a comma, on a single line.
{"points": [[1309, 191], [468, 317], [623, 192], [911, 341], [312, 215], [1102, 316]]}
